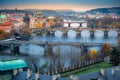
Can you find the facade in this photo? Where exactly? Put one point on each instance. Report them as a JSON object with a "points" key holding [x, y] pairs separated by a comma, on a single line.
{"points": [[40, 21]]}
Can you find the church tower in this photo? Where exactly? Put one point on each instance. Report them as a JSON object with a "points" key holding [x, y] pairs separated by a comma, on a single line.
{"points": [[26, 20]]}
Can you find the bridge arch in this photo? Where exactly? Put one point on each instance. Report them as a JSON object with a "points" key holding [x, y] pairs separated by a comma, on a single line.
{"points": [[71, 33], [99, 34], [28, 49], [85, 34], [58, 33], [112, 33]]}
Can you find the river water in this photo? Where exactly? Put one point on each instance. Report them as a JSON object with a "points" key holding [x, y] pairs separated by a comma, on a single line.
{"points": [[67, 54]]}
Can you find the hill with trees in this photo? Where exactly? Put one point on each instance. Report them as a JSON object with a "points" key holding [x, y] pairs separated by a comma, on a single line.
{"points": [[115, 10]]}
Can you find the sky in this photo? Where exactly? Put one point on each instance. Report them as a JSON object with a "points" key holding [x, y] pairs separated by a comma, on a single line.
{"points": [[76, 5]]}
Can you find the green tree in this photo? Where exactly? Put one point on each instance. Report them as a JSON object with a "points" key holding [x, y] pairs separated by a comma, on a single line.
{"points": [[114, 58]]}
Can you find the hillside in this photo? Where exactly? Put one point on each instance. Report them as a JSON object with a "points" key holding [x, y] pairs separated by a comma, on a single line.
{"points": [[115, 10]]}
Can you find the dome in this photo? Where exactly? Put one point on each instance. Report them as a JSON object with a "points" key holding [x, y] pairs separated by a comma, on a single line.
{"points": [[3, 16], [12, 64]]}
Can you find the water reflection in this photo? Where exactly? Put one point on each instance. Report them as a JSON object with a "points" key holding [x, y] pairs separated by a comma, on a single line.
{"points": [[31, 49], [100, 39]]}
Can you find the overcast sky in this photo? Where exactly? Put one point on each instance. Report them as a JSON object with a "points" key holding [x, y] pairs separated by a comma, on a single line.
{"points": [[77, 5]]}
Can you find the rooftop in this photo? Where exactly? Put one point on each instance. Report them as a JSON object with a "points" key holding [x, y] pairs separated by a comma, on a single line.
{"points": [[3, 16], [12, 64]]}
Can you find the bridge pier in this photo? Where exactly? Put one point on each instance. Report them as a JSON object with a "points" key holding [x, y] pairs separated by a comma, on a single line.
{"points": [[118, 33], [48, 49], [69, 24], [106, 34], [80, 24], [92, 35], [14, 49], [83, 49]]}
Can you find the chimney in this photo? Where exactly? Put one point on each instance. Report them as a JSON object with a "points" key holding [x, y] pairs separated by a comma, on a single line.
{"points": [[36, 76], [15, 72], [28, 73], [102, 71], [58, 75], [75, 78], [71, 77], [112, 71], [21, 70], [54, 77]]}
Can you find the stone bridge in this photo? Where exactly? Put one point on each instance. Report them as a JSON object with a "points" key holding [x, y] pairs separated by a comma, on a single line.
{"points": [[76, 44], [14, 45], [51, 31]]}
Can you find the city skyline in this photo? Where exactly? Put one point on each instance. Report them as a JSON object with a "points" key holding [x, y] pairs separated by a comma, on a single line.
{"points": [[76, 5]]}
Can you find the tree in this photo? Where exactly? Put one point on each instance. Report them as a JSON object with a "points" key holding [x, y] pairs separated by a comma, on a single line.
{"points": [[1, 37], [115, 57], [118, 44], [1, 32], [4, 34], [32, 63], [106, 49], [93, 53], [38, 25]]}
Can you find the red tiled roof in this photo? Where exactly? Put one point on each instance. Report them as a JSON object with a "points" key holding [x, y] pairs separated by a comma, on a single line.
{"points": [[6, 24]]}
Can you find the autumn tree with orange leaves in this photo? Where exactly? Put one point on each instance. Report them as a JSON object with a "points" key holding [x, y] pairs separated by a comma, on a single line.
{"points": [[106, 49], [4, 34], [92, 53]]}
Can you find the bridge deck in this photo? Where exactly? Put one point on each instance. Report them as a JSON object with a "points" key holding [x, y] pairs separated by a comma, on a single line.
{"points": [[52, 43]]}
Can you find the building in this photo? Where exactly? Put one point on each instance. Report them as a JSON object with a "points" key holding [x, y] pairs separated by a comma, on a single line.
{"points": [[5, 23], [9, 68], [40, 21], [26, 20]]}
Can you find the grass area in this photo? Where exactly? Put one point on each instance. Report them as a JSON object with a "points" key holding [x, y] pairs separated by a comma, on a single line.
{"points": [[87, 69]]}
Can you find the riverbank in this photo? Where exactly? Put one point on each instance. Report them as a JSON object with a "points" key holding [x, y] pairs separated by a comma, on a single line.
{"points": [[87, 69]]}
